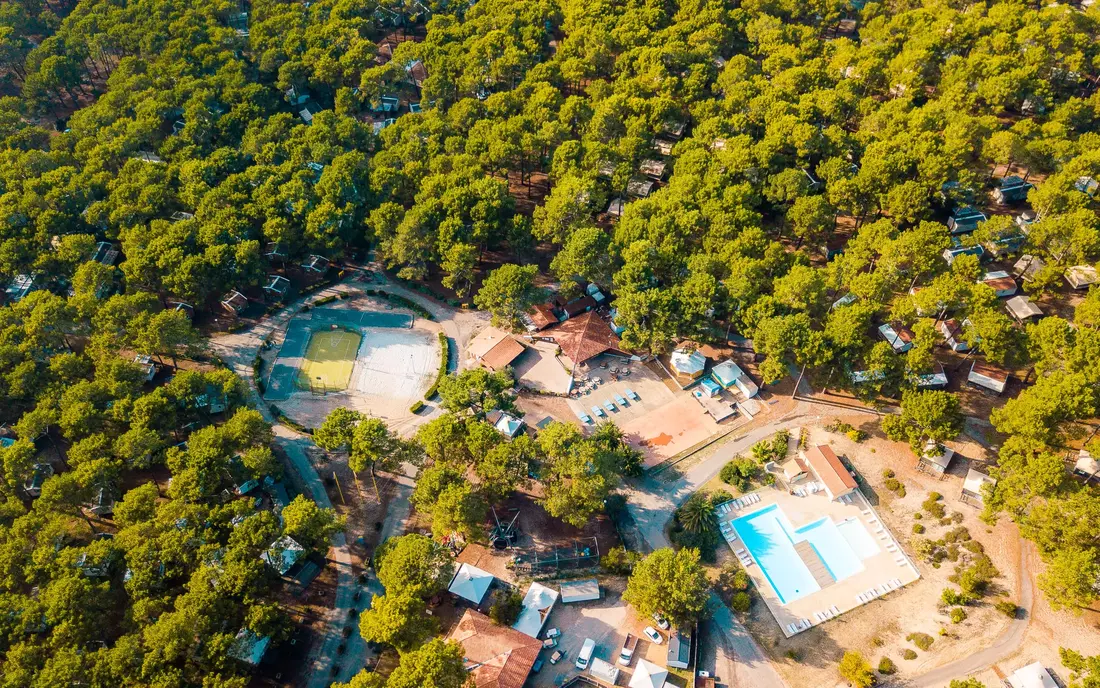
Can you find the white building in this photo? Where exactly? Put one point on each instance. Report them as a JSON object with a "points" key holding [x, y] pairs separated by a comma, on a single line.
{"points": [[470, 583], [537, 605]]}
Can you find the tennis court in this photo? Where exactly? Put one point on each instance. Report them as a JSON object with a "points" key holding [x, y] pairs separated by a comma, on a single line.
{"points": [[329, 359]]}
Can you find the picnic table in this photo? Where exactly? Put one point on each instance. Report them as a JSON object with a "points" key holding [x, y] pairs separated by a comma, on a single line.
{"points": [[631, 395], [608, 405], [620, 400], [598, 411], [587, 419]]}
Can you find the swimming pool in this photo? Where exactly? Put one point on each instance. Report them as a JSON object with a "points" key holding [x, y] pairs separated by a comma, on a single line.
{"points": [[770, 539]]}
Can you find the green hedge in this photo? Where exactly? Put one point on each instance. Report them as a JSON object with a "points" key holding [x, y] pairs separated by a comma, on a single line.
{"points": [[444, 359], [325, 299], [417, 407]]}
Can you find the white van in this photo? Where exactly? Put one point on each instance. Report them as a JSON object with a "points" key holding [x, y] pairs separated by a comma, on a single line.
{"points": [[586, 653]]}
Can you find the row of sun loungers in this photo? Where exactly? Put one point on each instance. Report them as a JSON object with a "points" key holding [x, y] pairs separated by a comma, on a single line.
{"points": [[871, 594], [743, 557], [802, 625], [827, 614], [735, 504]]}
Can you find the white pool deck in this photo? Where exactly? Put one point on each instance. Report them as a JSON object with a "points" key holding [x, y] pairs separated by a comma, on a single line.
{"points": [[888, 570]]}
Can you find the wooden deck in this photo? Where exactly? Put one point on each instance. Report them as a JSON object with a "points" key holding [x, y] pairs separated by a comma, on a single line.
{"points": [[813, 562]]}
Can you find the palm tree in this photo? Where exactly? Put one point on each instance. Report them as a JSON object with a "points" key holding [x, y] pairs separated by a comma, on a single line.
{"points": [[697, 515]]}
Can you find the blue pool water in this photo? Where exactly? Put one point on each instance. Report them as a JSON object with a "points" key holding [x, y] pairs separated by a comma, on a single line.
{"points": [[770, 539]]}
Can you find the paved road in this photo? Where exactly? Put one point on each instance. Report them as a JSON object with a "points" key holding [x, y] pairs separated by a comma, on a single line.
{"points": [[739, 662], [1008, 643]]}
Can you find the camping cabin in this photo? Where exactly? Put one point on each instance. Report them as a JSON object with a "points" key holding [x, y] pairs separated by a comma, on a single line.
{"points": [[1000, 282], [1081, 276], [987, 377], [972, 487]]}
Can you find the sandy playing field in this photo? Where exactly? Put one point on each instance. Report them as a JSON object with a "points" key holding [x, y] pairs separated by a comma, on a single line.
{"points": [[329, 359], [397, 364]]}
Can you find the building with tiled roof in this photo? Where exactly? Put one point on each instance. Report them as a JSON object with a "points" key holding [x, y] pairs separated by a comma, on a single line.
{"points": [[496, 656], [584, 337]]}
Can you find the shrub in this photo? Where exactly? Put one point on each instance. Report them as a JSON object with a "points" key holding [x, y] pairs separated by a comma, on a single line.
{"points": [[974, 579], [719, 496], [901, 491], [619, 560], [417, 407], [933, 506], [1008, 608], [918, 528], [856, 436], [908, 654], [877, 642], [507, 604], [954, 598], [740, 602], [793, 655], [918, 516], [739, 472], [958, 615], [974, 546], [444, 359], [886, 666], [921, 640], [888, 473], [855, 669]]}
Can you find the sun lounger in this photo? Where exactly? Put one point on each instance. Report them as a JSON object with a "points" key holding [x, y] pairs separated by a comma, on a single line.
{"points": [[819, 616], [861, 598], [834, 610], [755, 498], [631, 395], [619, 400], [598, 411], [791, 629], [806, 624], [867, 512], [740, 551], [897, 582]]}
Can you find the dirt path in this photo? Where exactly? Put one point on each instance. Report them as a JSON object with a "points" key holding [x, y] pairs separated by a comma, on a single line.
{"points": [[1008, 643]]}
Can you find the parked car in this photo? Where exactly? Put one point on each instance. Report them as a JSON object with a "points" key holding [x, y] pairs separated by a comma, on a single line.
{"points": [[662, 622], [652, 634], [557, 656], [552, 633], [627, 653], [536, 667], [585, 654]]}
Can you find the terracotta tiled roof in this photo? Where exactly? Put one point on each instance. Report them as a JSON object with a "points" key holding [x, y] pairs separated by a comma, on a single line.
{"points": [[542, 316], [584, 336], [830, 470], [502, 354], [496, 656], [580, 305]]}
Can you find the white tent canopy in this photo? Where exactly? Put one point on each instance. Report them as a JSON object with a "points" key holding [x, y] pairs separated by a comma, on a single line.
{"points": [[537, 604], [471, 583], [688, 362], [648, 675]]}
